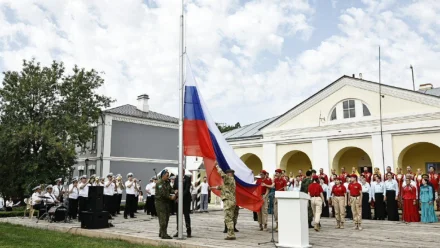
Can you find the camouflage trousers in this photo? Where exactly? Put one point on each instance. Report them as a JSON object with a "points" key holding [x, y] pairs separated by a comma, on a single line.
{"points": [[262, 215], [231, 215], [163, 214]]}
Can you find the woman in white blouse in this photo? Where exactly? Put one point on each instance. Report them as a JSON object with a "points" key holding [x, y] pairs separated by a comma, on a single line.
{"points": [[325, 210], [366, 199]]}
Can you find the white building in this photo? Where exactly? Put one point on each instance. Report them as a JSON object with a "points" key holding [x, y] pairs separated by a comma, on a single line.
{"points": [[339, 126]]}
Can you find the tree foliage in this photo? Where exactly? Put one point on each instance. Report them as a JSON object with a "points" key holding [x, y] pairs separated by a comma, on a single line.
{"points": [[44, 114], [227, 128]]}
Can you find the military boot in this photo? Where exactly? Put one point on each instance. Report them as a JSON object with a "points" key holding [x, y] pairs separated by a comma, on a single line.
{"points": [[261, 227], [338, 225], [188, 232], [359, 227], [342, 225], [316, 227], [356, 227]]}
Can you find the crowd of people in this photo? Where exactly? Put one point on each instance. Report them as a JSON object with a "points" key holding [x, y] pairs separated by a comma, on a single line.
{"points": [[354, 196]]}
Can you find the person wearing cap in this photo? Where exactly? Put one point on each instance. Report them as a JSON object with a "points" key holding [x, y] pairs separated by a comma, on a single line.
{"points": [[305, 189], [52, 200], [130, 197], [164, 197], [280, 184], [339, 201], [228, 197], [265, 183], [109, 190], [355, 192], [315, 192], [36, 201], [83, 195], [391, 194], [58, 189], [73, 198]]}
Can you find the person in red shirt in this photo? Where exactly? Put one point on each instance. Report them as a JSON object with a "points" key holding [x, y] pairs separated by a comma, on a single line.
{"points": [[300, 174], [333, 172], [339, 199], [410, 207], [393, 176], [265, 183], [343, 175], [280, 184], [434, 178], [317, 200], [323, 176], [355, 192], [367, 175]]}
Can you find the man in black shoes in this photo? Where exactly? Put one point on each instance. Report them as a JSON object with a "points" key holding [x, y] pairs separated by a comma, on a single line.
{"points": [[186, 202]]}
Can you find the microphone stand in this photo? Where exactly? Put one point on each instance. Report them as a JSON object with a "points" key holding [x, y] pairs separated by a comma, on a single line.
{"points": [[271, 197]]}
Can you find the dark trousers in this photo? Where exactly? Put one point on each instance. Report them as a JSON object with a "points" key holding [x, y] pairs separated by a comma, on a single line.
{"points": [[118, 203], [83, 205], [129, 205], [379, 207], [153, 206], [393, 214], [186, 211], [73, 208], [325, 210], [147, 208], [114, 201], [366, 208], [108, 206], [134, 204]]}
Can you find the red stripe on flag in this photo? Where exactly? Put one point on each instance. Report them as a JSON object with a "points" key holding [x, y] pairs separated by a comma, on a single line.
{"points": [[246, 197], [196, 139]]}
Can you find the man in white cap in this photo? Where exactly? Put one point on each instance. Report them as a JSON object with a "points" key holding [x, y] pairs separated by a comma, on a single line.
{"points": [[58, 190], [109, 189], [130, 197], [52, 200], [36, 201], [73, 198], [83, 195]]}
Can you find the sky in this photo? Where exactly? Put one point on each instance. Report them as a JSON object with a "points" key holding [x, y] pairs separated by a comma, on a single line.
{"points": [[253, 59]]}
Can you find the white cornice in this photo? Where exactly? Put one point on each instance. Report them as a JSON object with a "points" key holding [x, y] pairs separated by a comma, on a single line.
{"points": [[141, 121], [386, 90], [127, 159]]}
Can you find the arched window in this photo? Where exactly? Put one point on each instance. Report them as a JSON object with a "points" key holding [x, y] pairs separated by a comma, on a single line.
{"points": [[366, 110], [349, 109], [333, 115]]}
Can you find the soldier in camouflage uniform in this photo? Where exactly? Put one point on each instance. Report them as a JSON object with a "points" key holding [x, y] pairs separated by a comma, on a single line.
{"points": [[305, 189], [163, 200], [228, 197]]}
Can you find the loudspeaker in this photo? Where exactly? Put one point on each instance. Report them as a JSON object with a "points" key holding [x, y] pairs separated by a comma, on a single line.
{"points": [[96, 191], [96, 204], [94, 220]]}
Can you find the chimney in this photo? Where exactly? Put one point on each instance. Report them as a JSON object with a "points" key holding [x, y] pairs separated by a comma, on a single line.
{"points": [[142, 103], [425, 87]]}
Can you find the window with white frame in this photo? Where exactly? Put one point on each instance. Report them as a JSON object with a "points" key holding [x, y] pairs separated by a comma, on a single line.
{"points": [[349, 109]]}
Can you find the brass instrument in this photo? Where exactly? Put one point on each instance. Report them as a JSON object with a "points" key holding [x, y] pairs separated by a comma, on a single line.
{"points": [[120, 184], [92, 179]]}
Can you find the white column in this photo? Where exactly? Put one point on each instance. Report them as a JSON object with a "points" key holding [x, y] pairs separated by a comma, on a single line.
{"points": [[320, 155], [387, 151], [270, 158], [107, 144]]}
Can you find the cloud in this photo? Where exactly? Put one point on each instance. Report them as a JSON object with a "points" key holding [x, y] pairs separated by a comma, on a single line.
{"points": [[136, 44]]}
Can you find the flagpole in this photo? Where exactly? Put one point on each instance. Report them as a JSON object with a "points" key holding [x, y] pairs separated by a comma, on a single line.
{"points": [[181, 92]]}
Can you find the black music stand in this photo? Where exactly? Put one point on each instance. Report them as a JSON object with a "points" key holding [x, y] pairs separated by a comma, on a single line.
{"points": [[271, 196]]}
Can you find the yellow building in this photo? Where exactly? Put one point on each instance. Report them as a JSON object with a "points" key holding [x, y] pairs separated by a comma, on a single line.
{"points": [[340, 126]]}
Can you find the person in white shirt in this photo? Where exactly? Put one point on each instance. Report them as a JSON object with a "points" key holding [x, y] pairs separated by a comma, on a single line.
{"points": [[294, 186], [391, 193], [109, 189], [2, 203], [9, 204], [325, 209], [377, 189], [119, 190], [194, 193], [204, 196], [58, 190], [137, 192], [51, 200], [130, 200], [83, 195], [329, 193], [152, 190], [366, 199], [73, 199], [348, 213], [147, 208]]}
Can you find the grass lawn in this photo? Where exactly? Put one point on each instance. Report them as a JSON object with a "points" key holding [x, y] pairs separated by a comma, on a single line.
{"points": [[14, 236]]}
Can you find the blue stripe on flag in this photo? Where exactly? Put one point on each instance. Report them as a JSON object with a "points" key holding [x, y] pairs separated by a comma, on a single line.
{"points": [[192, 107]]}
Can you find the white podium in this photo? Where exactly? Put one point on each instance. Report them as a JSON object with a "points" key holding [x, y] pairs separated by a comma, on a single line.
{"points": [[293, 223]]}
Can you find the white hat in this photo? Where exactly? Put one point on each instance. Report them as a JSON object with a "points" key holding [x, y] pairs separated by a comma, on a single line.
{"points": [[74, 179], [119, 175], [130, 174], [83, 176], [110, 174], [49, 186], [58, 179], [38, 187]]}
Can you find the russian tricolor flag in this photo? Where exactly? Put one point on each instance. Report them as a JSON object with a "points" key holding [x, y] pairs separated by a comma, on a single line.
{"points": [[202, 138]]}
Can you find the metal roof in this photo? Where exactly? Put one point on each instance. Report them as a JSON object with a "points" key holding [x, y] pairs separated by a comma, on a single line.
{"points": [[130, 110], [248, 131], [433, 92]]}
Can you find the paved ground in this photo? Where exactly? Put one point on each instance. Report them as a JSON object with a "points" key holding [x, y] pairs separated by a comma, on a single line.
{"points": [[208, 227]]}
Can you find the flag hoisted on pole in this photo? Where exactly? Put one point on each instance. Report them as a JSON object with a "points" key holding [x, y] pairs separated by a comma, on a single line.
{"points": [[181, 156], [202, 138]]}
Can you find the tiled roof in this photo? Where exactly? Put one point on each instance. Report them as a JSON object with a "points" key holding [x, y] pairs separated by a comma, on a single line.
{"points": [[247, 131], [130, 110], [433, 92]]}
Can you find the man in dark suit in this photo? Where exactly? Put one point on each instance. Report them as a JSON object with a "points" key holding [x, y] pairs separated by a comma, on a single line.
{"points": [[186, 202]]}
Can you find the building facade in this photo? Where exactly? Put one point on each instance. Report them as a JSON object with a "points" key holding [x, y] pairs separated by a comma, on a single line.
{"points": [[130, 139], [350, 123]]}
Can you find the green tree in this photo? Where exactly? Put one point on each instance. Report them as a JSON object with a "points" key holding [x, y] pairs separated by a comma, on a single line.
{"points": [[227, 128], [44, 114]]}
